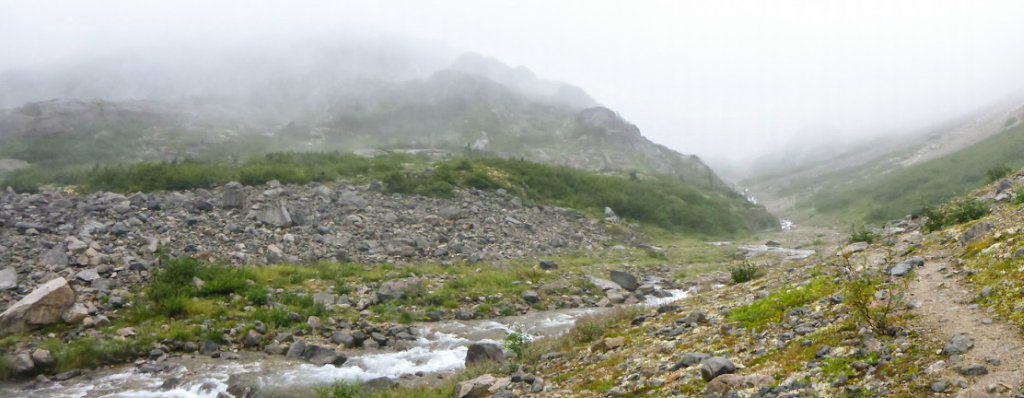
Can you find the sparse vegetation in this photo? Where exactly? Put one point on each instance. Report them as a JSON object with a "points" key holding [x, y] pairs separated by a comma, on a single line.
{"points": [[590, 328], [665, 202], [874, 196], [874, 301], [862, 234]]}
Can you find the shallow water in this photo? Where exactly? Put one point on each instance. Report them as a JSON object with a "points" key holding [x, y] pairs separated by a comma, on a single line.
{"points": [[786, 253], [440, 349]]}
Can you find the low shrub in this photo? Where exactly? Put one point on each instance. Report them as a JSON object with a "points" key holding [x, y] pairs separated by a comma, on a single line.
{"points": [[517, 342], [953, 213], [997, 172], [862, 234], [743, 273], [873, 306]]}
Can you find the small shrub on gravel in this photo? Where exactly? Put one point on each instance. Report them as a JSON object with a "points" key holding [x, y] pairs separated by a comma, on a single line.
{"points": [[744, 273], [862, 234], [953, 213], [874, 302]]}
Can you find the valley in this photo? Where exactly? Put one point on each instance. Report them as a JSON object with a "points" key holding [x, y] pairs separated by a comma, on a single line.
{"points": [[360, 215]]}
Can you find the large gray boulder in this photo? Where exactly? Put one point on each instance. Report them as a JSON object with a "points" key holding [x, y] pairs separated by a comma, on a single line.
{"points": [[233, 196], [320, 356], [475, 388], [391, 290], [723, 386], [625, 279], [43, 306], [8, 278], [277, 216], [484, 352], [716, 366]]}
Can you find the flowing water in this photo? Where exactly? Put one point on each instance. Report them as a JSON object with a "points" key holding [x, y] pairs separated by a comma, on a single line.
{"points": [[440, 349]]}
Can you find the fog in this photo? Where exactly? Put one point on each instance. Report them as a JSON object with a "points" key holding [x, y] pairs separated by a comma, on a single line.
{"points": [[726, 80]]}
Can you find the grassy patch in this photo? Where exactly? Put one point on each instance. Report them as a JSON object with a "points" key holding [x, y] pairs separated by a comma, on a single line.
{"points": [[771, 309]]}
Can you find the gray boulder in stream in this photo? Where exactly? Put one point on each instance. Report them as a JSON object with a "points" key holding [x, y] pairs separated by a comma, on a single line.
{"points": [[484, 352], [320, 356], [625, 279]]}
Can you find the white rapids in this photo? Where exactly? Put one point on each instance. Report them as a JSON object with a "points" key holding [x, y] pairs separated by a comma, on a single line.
{"points": [[440, 348]]}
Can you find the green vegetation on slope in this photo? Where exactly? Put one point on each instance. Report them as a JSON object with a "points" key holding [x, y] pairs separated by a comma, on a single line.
{"points": [[666, 202], [904, 191], [771, 309]]}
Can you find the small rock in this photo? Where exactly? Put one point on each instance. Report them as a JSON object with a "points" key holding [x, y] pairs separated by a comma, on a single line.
{"points": [[531, 297], [958, 344]]}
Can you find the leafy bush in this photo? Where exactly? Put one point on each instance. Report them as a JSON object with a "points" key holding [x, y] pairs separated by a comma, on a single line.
{"points": [[953, 213], [743, 273], [873, 306], [517, 342]]}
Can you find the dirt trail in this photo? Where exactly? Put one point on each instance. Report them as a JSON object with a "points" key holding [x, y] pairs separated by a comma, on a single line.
{"points": [[946, 310]]}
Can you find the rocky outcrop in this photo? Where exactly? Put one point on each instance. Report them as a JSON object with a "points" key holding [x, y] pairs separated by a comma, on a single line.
{"points": [[43, 306]]}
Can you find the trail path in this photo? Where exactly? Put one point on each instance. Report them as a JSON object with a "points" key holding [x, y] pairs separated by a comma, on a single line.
{"points": [[946, 310]]}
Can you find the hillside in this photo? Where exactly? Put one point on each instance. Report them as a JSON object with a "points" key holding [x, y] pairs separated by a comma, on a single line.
{"points": [[477, 105], [888, 178]]}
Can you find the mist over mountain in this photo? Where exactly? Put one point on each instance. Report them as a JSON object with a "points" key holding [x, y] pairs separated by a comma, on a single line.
{"points": [[350, 96]]}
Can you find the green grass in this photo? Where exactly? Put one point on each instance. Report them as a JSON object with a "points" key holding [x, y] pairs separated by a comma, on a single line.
{"points": [[884, 196], [771, 309], [89, 353]]}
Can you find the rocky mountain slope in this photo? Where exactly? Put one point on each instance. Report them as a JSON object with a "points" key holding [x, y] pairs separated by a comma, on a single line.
{"points": [[845, 183], [477, 105]]}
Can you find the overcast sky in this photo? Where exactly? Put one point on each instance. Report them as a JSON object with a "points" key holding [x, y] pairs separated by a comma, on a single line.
{"points": [[716, 78]]}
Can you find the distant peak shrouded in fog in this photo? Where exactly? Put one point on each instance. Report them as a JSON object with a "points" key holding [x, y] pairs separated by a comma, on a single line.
{"points": [[311, 67], [730, 81]]}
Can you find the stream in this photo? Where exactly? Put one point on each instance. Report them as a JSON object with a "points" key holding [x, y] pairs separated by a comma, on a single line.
{"points": [[440, 349]]}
